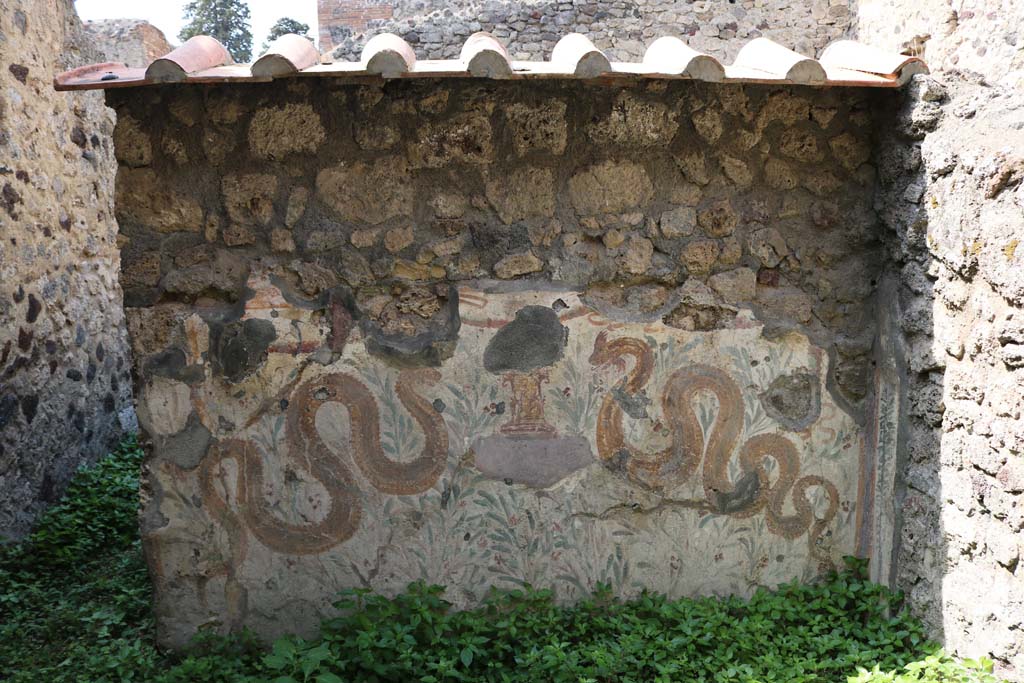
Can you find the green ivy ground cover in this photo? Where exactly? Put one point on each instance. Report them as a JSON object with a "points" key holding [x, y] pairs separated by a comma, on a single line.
{"points": [[75, 606]]}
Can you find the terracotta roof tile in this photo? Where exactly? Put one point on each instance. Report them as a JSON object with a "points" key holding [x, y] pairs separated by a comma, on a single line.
{"points": [[287, 55], [484, 57], [199, 53], [204, 60]]}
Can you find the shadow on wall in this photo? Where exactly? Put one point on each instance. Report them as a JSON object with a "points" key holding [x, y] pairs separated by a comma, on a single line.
{"points": [[950, 195]]}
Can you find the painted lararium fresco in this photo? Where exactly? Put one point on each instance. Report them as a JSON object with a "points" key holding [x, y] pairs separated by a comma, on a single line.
{"points": [[554, 447], [486, 333]]}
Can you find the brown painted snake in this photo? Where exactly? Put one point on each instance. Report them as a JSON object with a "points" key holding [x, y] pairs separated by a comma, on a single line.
{"points": [[688, 449]]}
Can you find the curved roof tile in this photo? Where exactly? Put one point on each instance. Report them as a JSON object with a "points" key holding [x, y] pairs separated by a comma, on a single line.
{"points": [[484, 57], [204, 60], [669, 55], [388, 55], [197, 54], [288, 54], [762, 54], [575, 54]]}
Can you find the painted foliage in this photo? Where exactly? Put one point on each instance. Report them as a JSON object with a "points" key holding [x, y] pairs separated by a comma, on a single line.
{"points": [[555, 447]]}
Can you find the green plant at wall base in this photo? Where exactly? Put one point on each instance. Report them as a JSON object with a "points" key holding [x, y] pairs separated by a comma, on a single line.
{"points": [[935, 668], [74, 596], [75, 606]]}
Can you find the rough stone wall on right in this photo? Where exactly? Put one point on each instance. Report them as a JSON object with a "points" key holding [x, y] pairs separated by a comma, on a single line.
{"points": [[951, 173], [980, 36]]}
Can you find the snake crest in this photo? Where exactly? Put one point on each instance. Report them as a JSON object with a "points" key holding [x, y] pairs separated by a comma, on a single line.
{"points": [[691, 449]]}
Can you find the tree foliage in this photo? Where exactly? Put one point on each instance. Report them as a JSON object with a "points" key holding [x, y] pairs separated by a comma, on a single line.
{"points": [[225, 20], [283, 26]]}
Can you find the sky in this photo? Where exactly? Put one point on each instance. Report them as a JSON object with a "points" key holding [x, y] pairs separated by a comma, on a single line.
{"points": [[166, 14]]}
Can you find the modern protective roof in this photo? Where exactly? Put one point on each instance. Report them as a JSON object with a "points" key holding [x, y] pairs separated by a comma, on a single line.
{"points": [[203, 59]]}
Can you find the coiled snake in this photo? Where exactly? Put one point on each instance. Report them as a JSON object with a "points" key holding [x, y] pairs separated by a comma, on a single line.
{"points": [[250, 512], [753, 491]]}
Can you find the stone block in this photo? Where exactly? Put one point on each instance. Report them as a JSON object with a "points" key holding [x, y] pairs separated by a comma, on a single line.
{"points": [[610, 187]]}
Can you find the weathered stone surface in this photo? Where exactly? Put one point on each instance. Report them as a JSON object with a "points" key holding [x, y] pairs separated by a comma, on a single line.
{"points": [[719, 219], [166, 404], [367, 192], [224, 272], [538, 127], [610, 187], [142, 200], [769, 246], [786, 302], [296, 206], [699, 256], [398, 239], [708, 123], [282, 240], [694, 167], [235, 235], [449, 205], [780, 174], [465, 138], [521, 263], [127, 41], [132, 145], [849, 151], [362, 239], [737, 171], [249, 198], [522, 193], [678, 222], [636, 122], [801, 145], [377, 136], [956, 312], [735, 285], [636, 256], [276, 132], [65, 382]]}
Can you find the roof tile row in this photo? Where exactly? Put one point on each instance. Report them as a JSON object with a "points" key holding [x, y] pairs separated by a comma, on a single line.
{"points": [[203, 59]]}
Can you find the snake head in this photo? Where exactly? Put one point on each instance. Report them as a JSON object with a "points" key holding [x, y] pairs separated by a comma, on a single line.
{"points": [[600, 356], [605, 354]]}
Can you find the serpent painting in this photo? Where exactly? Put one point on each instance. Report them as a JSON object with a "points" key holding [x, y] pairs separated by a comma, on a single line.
{"points": [[365, 473], [753, 491], [310, 451]]}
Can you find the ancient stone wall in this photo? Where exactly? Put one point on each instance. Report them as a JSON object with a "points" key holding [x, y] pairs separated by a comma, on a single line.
{"points": [[951, 174], [486, 334], [64, 366], [130, 41], [980, 36], [952, 188], [624, 28]]}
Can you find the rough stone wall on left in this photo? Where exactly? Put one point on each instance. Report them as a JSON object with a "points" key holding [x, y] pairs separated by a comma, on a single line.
{"points": [[65, 383]]}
